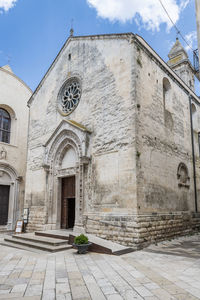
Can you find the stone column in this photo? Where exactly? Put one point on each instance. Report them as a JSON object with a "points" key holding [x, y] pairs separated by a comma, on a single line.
{"points": [[79, 224]]}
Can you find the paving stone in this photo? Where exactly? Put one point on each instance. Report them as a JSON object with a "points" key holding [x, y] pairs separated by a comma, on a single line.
{"points": [[34, 290], [26, 274], [49, 295], [12, 296], [173, 289], [151, 286], [19, 288], [2, 279], [4, 291], [62, 280], [162, 294], [144, 292], [185, 297], [62, 288], [95, 291], [151, 298], [60, 297], [132, 295], [80, 292], [114, 297]]}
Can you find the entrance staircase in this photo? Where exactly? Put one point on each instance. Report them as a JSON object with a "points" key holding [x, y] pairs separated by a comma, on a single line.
{"points": [[60, 240], [38, 241]]}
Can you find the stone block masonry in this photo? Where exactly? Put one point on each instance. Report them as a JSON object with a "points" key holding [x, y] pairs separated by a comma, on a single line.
{"points": [[139, 231]]}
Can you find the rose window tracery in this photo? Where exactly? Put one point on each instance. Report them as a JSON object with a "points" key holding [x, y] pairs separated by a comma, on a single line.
{"points": [[70, 95]]}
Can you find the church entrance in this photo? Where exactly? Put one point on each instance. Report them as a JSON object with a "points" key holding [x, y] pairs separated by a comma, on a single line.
{"points": [[68, 202], [4, 202]]}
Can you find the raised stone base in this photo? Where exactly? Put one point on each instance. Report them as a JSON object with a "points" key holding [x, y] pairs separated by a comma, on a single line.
{"points": [[37, 219], [141, 230]]}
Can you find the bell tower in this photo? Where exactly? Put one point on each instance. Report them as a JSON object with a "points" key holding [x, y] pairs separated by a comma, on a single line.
{"points": [[180, 63]]}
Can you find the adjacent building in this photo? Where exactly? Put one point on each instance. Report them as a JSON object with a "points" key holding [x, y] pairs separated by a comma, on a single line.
{"points": [[14, 94]]}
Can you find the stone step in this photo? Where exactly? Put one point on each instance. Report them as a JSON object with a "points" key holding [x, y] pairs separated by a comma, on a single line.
{"points": [[56, 234], [40, 239], [36, 245], [21, 247], [98, 244]]}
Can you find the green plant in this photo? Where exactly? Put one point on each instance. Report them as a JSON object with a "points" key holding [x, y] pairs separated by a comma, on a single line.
{"points": [[81, 239]]}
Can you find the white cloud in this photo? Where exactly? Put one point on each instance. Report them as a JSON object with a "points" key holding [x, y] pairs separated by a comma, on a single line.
{"points": [[184, 3], [149, 13], [5, 5], [191, 38]]}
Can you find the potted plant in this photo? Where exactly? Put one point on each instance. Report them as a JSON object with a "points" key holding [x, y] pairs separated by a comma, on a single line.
{"points": [[81, 243]]}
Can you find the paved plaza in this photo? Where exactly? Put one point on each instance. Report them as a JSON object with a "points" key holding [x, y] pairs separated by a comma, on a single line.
{"points": [[169, 270]]}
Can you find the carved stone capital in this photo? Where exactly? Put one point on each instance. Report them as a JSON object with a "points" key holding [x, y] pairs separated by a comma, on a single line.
{"points": [[85, 160], [19, 178], [46, 167]]}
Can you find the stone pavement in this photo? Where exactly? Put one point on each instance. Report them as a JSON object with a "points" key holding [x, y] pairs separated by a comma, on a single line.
{"points": [[170, 270]]}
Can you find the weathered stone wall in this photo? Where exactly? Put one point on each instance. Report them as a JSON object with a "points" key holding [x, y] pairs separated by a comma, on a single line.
{"points": [[141, 230], [163, 141], [105, 67]]}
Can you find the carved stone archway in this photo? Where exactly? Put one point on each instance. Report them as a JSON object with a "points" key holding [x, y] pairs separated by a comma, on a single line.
{"points": [[68, 134]]}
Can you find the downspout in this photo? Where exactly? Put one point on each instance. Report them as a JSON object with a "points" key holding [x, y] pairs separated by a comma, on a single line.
{"points": [[193, 155]]}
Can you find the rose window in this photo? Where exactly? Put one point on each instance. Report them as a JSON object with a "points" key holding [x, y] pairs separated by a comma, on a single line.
{"points": [[70, 96]]}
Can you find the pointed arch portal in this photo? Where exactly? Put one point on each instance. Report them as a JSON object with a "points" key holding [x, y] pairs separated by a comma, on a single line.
{"points": [[66, 153]]}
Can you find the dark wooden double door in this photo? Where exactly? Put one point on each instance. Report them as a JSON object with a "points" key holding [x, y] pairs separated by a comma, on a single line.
{"points": [[68, 202], [4, 202]]}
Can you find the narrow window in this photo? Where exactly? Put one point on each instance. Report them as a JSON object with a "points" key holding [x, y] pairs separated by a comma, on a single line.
{"points": [[166, 93], [69, 56], [194, 117], [5, 122]]}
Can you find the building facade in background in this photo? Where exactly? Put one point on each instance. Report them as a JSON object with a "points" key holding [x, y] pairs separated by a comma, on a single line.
{"points": [[109, 146], [14, 112]]}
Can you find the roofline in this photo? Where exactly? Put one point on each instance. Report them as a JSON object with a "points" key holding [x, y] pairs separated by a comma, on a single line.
{"points": [[97, 36], [167, 68], [139, 39], [16, 77]]}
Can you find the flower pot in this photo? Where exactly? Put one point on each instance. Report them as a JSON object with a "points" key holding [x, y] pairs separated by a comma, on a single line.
{"points": [[82, 248]]}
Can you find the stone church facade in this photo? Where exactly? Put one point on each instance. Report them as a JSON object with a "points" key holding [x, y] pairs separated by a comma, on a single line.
{"points": [[14, 94], [113, 143]]}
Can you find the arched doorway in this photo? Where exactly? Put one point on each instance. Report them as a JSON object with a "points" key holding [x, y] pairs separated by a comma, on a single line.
{"points": [[4, 203], [65, 158], [68, 202], [68, 188], [9, 186]]}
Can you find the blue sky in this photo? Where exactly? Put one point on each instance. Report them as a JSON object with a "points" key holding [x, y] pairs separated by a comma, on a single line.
{"points": [[33, 31]]}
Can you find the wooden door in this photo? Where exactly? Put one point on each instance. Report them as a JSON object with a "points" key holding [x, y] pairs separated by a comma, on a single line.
{"points": [[4, 202], [68, 202]]}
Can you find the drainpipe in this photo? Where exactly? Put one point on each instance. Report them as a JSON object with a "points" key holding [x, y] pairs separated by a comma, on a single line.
{"points": [[193, 155]]}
